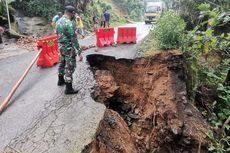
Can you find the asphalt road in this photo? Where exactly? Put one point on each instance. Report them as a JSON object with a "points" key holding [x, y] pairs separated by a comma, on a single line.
{"points": [[40, 118]]}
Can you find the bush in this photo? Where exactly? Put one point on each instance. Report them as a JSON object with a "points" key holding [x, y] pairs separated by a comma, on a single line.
{"points": [[96, 8], [168, 31], [46, 9], [207, 57], [134, 8]]}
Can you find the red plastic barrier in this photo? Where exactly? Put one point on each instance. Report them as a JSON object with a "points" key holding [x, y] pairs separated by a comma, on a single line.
{"points": [[127, 35], [50, 53], [105, 37]]}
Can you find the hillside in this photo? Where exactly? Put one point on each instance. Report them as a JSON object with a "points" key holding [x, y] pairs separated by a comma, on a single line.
{"points": [[116, 7]]}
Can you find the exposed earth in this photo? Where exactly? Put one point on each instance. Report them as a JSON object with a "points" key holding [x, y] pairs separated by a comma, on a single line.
{"points": [[147, 107], [125, 105], [40, 117]]}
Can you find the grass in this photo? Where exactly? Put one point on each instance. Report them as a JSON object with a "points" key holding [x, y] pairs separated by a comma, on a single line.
{"points": [[118, 23], [149, 47], [117, 8]]}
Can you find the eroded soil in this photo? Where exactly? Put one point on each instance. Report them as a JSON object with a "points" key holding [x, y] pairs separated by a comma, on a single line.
{"points": [[147, 107]]}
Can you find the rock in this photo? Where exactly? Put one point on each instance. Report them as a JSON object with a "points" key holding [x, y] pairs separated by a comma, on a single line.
{"points": [[27, 42], [185, 101], [126, 107], [187, 141], [183, 93], [136, 111], [188, 112], [111, 121], [141, 107], [150, 73], [133, 116], [118, 147], [176, 131]]}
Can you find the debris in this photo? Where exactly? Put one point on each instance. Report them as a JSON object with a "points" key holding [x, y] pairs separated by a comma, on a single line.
{"points": [[150, 114], [133, 116], [188, 112], [87, 47], [27, 43]]}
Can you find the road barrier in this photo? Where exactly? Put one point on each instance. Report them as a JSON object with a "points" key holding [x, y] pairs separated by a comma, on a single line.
{"points": [[104, 37], [127, 35], [50, 53]]}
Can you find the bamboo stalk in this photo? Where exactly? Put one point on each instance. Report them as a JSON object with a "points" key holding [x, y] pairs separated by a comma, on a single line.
{"points": [[6, 101], [8, 14]]}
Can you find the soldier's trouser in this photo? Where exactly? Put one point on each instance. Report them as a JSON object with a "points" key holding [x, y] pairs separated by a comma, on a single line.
{"points": [[67, 63]]}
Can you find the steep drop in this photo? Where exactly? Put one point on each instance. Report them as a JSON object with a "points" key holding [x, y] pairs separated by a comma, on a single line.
{"points": [[147, 107]]}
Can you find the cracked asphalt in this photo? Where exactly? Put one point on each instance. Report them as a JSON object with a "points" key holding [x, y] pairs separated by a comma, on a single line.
{"points": [[40, 117]]}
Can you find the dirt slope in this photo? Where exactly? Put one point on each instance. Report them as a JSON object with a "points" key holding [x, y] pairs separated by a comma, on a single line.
{"points": [[147, 108]]}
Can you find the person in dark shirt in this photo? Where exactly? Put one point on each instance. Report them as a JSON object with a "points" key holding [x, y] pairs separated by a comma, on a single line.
{"points": [[95, 22], [103, 19], [107, 19]]}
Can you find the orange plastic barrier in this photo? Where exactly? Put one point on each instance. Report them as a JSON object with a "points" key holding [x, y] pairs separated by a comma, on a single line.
{"points": [[105, 37], [127, 35], [50, 53]]}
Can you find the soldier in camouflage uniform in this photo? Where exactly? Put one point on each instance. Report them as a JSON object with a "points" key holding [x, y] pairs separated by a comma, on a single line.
{"points": [[69, 48]]}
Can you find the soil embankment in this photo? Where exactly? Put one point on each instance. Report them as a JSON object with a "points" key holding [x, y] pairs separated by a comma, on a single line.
{"points": [[147, 107]]}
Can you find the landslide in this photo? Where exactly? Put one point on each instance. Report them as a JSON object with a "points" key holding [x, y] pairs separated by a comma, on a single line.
{"points": [[147, 107]]}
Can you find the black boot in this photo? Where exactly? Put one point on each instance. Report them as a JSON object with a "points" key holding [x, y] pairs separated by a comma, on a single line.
{"points": [[69, 89], [61, 80]]}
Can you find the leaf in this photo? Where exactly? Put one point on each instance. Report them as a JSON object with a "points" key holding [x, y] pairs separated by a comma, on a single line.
{"points": [[204, 7], [222, 35], [209, 33], [198, 38], [211, 148], [228, 36], [222, 116], [226, 19], [206, 48]]}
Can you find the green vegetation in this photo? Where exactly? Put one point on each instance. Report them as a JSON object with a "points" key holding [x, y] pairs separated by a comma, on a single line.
{"points": [[197, 30], [96, 8], [46, 9], [86, 9], [3, 13], [188, 9], [134, 8], [149, 46], [208, 60], [203, 41], [205, 45], [168, 31]]}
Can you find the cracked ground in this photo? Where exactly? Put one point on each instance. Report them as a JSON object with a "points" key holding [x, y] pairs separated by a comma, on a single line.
{"points": [[64, 124], [40, 118]]}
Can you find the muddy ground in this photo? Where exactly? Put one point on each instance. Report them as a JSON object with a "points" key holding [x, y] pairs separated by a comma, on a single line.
{"points": [[147, 107]]}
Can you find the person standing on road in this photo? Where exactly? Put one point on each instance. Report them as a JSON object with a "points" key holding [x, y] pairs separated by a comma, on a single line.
{"points": [[80, 26], [95, 22], [55, 19], [103, 19], [107, 19], [69, 48]]}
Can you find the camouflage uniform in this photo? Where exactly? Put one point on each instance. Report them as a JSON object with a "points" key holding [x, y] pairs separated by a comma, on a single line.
{"points": [[68, 45]]}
